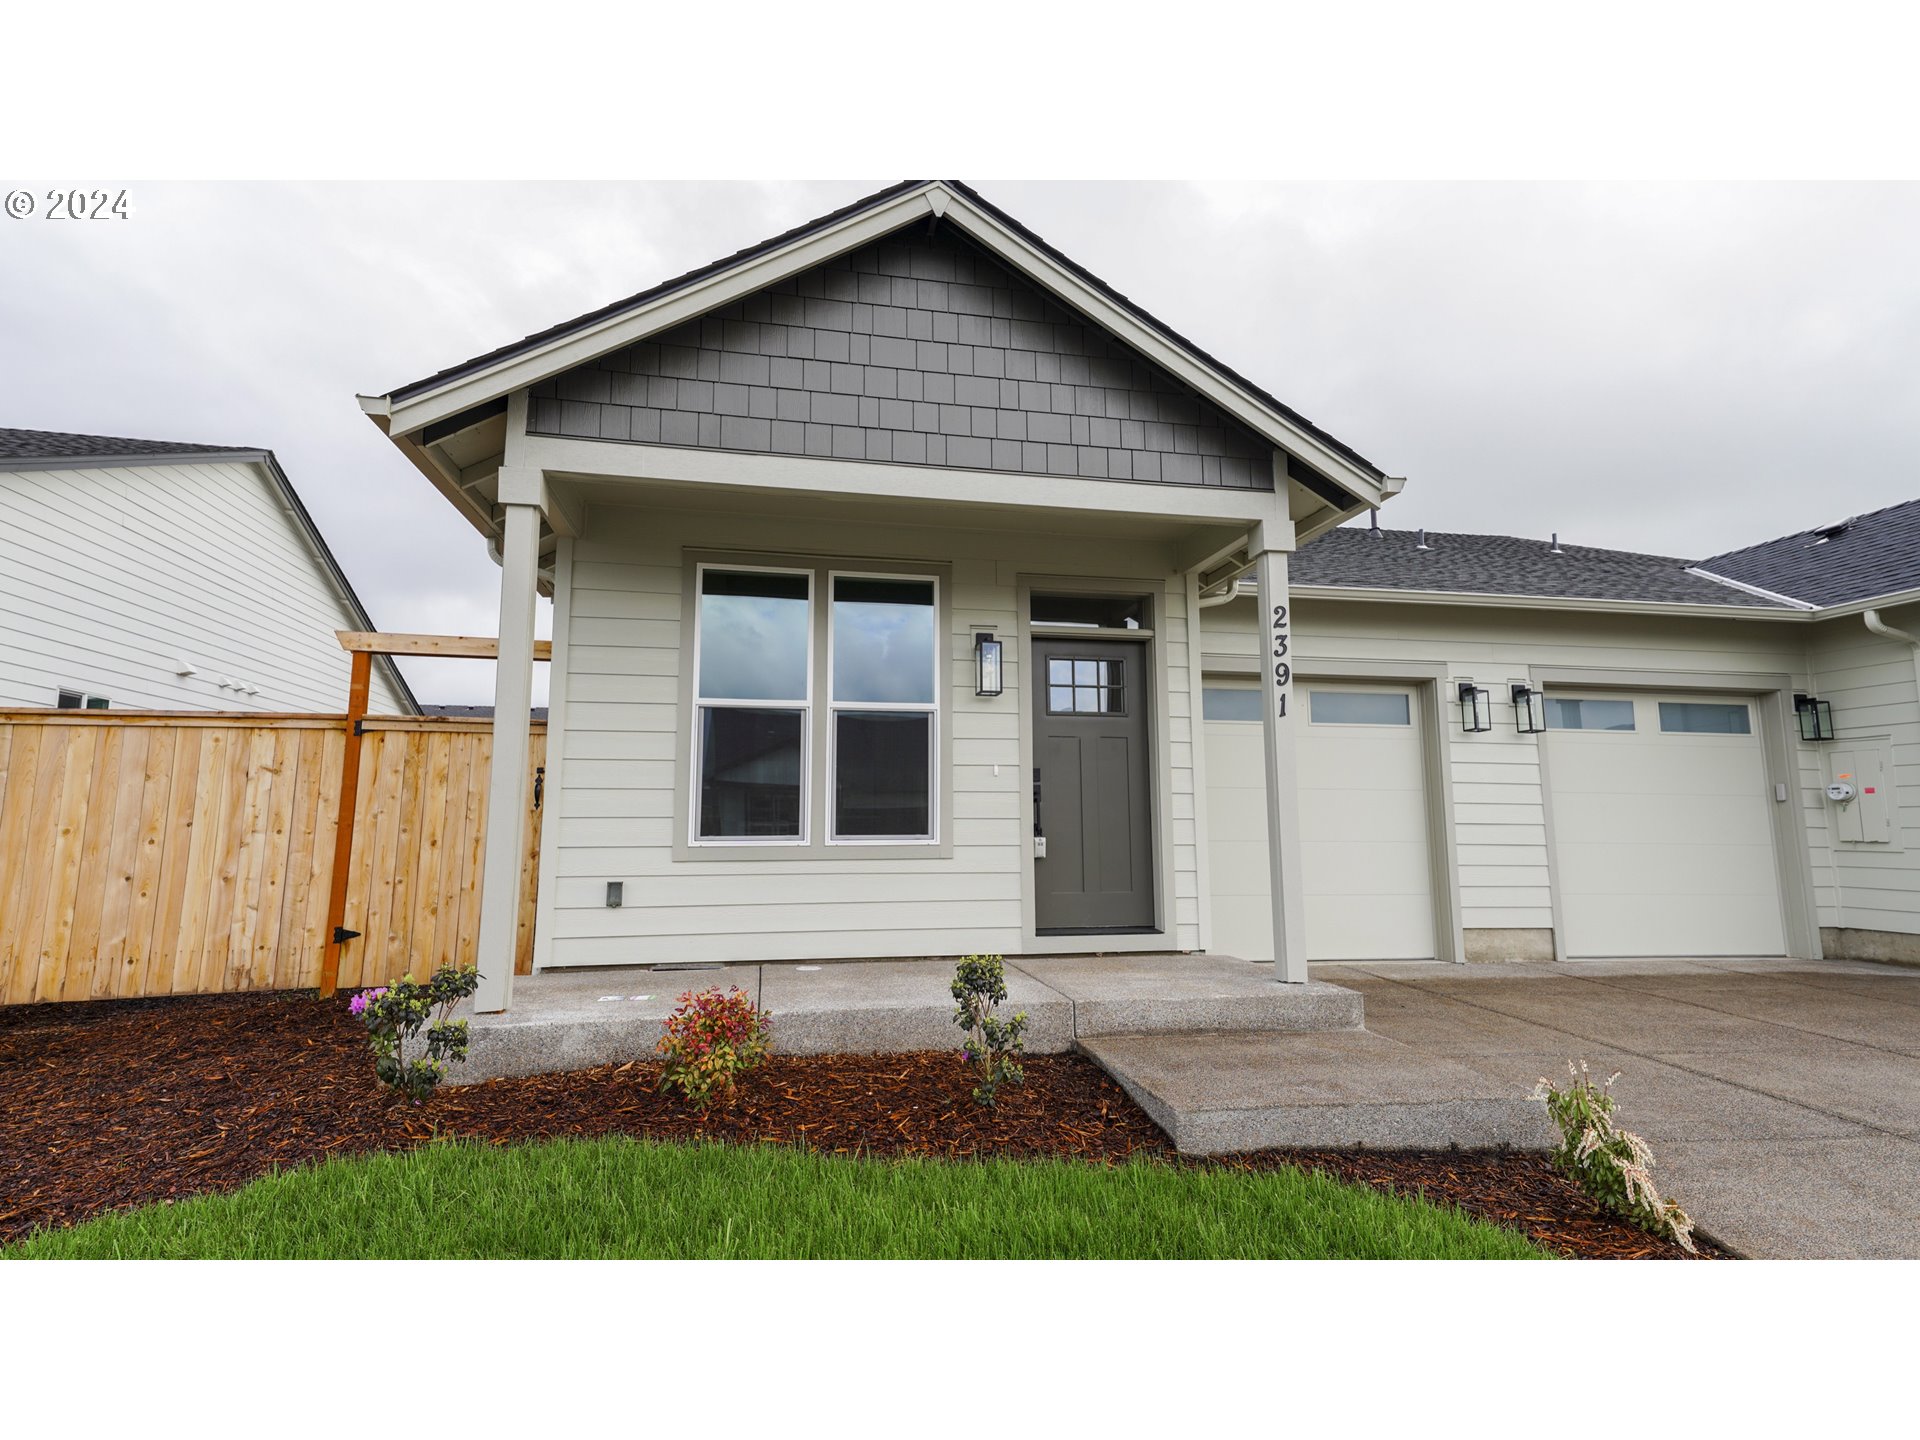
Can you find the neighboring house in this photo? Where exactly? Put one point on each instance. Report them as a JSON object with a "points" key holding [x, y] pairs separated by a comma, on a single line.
{"points": [[151, 575], [897, 567]]}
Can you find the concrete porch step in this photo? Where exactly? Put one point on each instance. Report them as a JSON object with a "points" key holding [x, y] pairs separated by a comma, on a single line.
{"points": [[1219, 1093], [575, 1020], [1173, 994]]}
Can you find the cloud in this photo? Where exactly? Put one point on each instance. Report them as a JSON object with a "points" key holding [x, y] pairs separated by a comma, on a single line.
{"points": [[1671, 368]]}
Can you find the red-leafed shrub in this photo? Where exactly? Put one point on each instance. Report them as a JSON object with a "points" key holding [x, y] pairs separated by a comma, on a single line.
{"points": [[712, 1038]]}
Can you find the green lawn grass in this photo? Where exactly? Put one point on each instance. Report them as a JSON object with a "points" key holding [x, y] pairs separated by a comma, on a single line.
{"points": [[621, 1198]]}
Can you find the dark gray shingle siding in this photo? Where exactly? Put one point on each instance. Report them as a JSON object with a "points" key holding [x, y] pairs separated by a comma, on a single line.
{"points": [[1505, 565], [60, 445], [915, 350], [1875, 554]]}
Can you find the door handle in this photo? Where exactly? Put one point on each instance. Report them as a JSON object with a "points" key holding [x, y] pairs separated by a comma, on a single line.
{"points": [[1039, 835]]}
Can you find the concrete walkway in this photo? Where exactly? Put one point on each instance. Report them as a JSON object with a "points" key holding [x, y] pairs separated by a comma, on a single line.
{"points": [[1781, 1098]]}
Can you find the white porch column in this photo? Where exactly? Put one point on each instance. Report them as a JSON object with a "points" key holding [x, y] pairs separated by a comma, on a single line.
{"points": [[506, 840], [1268, 547]]}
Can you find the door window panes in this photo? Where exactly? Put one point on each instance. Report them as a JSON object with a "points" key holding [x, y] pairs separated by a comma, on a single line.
{"points": [[750, 773], [1358, 707], [1222, 704], [1566, 714], [1688, 717], [883, 633], [1085, 687], [883, 774], [753, 635]]}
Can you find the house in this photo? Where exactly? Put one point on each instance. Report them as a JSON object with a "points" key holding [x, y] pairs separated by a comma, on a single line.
{"points": [[154, 575], [917, 594]]}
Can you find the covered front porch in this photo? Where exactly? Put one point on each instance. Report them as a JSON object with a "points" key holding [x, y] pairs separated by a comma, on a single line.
{"points": [[1056, 818]]}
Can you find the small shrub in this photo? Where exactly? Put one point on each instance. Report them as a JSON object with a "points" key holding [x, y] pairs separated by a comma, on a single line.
{"points": [[395, 1014], [993, 1045], [711, 1039], [1612, 1165]]}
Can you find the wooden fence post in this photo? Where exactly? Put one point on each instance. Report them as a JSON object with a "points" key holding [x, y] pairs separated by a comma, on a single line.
{"points": [[357, 695]]}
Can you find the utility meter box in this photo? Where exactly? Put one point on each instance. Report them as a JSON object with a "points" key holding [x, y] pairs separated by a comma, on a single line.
{"points": [[1863, 765]]}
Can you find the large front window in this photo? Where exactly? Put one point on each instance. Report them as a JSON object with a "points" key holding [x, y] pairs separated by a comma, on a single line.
{"points": [[884, 712], [753, 693], [756, 670]]}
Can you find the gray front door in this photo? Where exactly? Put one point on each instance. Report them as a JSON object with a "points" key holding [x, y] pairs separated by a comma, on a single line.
{"points": [[1092, 787]]}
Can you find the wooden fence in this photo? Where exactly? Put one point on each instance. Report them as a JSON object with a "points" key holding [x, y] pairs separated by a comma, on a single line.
{"points": [[167, 854]]}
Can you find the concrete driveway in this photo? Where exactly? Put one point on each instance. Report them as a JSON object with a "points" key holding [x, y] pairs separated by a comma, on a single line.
{"points": [[1781, 1098]]}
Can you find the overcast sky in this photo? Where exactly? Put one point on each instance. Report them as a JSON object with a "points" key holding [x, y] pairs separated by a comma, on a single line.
{"points": [[1678, 369]]}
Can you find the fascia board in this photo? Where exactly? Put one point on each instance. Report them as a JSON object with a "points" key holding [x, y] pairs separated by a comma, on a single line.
{"points": [[1545, 602], [122, 462], [1185, 505], [1872, 602], [515, 372]]}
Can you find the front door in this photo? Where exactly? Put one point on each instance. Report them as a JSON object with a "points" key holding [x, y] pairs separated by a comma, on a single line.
{"points": [[1092, 788]]}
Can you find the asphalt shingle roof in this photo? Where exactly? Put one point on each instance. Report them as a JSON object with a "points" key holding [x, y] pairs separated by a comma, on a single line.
{"points": [[1873, 554], [1505, 565], [60, 445]]}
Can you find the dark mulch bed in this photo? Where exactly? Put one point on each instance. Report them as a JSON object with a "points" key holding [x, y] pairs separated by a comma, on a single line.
{"points": [[115, 1104]]}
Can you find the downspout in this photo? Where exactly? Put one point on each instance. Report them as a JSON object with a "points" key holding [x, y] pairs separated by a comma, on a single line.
{"points": [[1886, 631], [1223, 590]]}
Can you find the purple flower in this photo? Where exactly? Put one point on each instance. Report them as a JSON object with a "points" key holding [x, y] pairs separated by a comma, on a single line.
{"points": [[358, 1005]]}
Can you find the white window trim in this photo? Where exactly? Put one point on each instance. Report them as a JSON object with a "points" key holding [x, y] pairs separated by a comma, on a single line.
{"points": [[700, 703], [833, 707]]}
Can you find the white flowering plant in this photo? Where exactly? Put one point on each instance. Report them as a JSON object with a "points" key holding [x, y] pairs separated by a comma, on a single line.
{"points": [[1612, 1165]]}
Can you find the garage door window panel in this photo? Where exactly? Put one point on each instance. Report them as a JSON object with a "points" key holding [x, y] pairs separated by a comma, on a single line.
{"points": [[1690, 717], [1358, 707], [1564, 713]]}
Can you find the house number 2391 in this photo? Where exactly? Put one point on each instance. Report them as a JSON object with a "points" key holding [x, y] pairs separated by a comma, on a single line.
{"points": [[1282, 668]]}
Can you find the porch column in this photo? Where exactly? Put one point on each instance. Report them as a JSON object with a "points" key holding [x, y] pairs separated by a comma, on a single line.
{"points": [[1268, 547], [506, 839]]}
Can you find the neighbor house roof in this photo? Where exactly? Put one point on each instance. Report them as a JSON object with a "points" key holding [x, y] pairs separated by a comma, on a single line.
{"points": [[848, 212], [61, 445], [1857, 559], [30, 449], [1357, 558]]}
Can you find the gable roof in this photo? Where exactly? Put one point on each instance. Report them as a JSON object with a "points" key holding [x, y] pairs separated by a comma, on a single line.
{"points": [[846, 212], [1357, 558], [470, 391], [62, 445], [37, 449], [1869, 555]]}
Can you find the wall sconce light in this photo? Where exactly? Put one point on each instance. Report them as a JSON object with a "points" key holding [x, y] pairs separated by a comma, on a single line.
{"points": [[1815, 716], [986, 665], [1529, 710], [1476, 708]]}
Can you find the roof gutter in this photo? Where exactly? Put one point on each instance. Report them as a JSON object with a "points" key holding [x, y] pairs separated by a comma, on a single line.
{"points": [[1888, 632], [1549, 602]]}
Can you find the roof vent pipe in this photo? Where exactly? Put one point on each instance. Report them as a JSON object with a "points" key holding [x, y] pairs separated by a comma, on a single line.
{"points": [[1556, 550], [1373, 525], [1421, 543]]}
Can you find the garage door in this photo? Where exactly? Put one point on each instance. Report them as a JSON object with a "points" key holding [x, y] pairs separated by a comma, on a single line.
{"points": [[1663, 837], [1363, 823]]}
